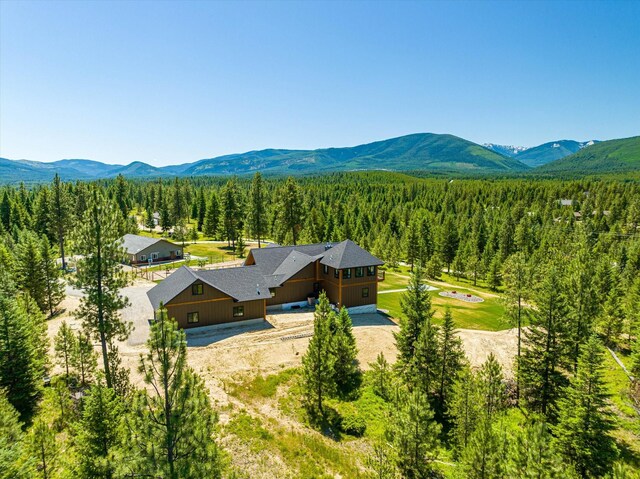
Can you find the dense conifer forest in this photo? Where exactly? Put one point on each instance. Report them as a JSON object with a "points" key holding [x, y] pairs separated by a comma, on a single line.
{"points": [[563, 257]]}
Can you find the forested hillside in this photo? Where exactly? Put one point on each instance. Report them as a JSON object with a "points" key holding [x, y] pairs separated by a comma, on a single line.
{"points": [[613, 156], [562, 258]]}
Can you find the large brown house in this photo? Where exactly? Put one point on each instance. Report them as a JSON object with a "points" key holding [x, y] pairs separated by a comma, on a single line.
{"points": [[275, 277]]}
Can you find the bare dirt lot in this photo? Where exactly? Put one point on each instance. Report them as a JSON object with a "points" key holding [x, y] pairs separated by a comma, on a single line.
{"points": [[220, 354]]}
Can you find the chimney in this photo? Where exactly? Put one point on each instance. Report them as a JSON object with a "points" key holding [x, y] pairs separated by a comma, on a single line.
{"points": [[327, 246]]}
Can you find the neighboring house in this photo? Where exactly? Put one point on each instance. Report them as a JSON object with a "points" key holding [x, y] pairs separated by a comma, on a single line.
{"points": [[142, 249], [275, 277]]}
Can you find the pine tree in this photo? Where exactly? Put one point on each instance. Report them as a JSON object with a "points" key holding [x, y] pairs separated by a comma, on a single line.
{"points": [[611, 320], [494, 277], [240, 247], [84, 358], [345, 363], [165, 217], [232, 207], [212, 216], [582, 297], [464, 409], [546, 347], [414, 434], [517, 279], [202, 209], [172, 423], [448, 241], [381, 462], [585, 421], [21, 369], [43, 449], [416, 308], [53, 288], [60, 214], [425, 368], [193, 234], [149, 220], [11, 443], [290, 210], [65, 346], [381, 377], [483, 457], [101, 277], [532, 456], [99, 434], [257, 209], [29, 274], [318, 361], [412, 243], [451, 360]]}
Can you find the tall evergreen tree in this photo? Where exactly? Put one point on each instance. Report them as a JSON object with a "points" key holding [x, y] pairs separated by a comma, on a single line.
{"points": [[53, 288], [464, 409], [44, 450], [546, 347], [99, 434], [416, 309], [60, 214], [172, 422], [257, 209], [414, 434], [381, 377], [451, 359], [585, 421], [202, 209], [212, 216], [21, 369], [318, 361], [101, 277], [12, 465], [532, 455], [517, 279], [65, 346], [232, 209], [290, 210], [29, 273], [84, 358], [345, 363]]}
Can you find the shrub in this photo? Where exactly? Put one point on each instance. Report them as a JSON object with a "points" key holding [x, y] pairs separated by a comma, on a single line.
{"points": [[351, 422]]}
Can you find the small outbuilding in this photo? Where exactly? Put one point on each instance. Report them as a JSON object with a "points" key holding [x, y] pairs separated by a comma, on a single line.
{"points": [[144, 250]]}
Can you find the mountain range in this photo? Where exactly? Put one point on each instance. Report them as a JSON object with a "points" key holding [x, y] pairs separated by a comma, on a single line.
{"points": [[416, 152], [541, 154]]}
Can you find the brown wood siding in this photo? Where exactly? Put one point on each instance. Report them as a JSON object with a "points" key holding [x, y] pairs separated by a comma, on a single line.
{"points": [[215, 312], [352, 294], [208, 293], [292, 291], [306, 272]]}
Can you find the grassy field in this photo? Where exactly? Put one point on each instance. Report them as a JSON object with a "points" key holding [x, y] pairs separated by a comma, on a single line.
{"points": [[487, 315]]}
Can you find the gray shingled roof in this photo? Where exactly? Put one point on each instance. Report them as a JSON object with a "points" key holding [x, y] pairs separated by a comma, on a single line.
{"points": [[134, 243], [270, 258], [347, 254], [242, 284], [171, 287]]}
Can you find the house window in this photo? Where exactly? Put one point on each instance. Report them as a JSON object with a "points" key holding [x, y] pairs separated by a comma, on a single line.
{"points": [[325, 269], [371, 270], [178, 253], [346, 273], [336, 273], [238, 311], [192, 317], [143, 257], [273, 292], [154, 255], [365, 292], [197, 289], [359, 272]]}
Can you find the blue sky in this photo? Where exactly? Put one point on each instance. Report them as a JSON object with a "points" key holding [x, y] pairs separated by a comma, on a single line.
{"points": [[169, 82]]}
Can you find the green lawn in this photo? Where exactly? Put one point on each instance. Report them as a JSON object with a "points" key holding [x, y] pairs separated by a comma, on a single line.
{"points": [[487, 315]]}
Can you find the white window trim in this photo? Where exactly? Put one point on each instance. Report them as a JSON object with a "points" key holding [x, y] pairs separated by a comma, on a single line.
{"points": [[155, 255], [143, 257]]}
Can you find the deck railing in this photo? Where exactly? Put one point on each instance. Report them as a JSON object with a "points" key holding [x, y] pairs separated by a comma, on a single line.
{"points": [[381, 275]]}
